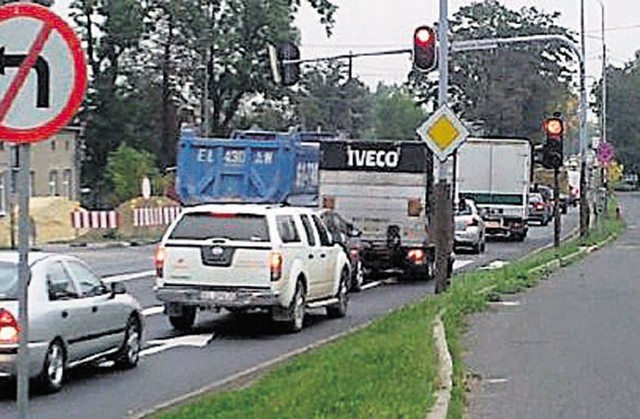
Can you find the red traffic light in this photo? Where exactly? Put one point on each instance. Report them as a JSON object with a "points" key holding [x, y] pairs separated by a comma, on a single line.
{"points": [[554, 127], [424, 36], [424, 49]]}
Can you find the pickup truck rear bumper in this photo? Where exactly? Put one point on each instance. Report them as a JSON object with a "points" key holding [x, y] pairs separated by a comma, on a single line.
{"points": [[218, 297]]}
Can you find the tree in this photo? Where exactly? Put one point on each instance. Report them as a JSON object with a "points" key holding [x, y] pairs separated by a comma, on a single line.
{"points": [[126, 167], [508, 90], [147, 64], [329, 100], [397, 115], [623, 107]]}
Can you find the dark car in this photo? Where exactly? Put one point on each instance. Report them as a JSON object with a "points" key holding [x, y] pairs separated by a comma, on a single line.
{"points": [[347, 235], [539, 209]]}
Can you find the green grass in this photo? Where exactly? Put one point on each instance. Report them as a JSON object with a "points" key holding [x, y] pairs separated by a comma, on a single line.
{"points": [[389, 369], [386, 370]]}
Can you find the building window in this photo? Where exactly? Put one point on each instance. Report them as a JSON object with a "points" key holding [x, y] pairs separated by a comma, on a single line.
{"points": [[53, 183], [67, 183], [32, 183], [67, 145], [1, 145], [3, 195], [53, 145]]}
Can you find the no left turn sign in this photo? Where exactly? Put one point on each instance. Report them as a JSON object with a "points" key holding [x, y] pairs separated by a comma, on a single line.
{"points": [[43, 73]]}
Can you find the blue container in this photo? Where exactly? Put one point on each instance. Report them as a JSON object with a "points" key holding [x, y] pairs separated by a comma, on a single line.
{"points": [[251, 167]]}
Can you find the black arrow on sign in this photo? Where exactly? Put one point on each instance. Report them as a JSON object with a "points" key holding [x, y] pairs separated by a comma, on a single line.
{"points": [[42, 72]]}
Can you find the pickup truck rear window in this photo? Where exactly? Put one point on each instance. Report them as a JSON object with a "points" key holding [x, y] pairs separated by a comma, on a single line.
{"points": [[206, 225]]}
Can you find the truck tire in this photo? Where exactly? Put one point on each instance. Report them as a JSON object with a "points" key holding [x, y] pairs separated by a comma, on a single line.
{"points": [[339, 309], [185, 320]]}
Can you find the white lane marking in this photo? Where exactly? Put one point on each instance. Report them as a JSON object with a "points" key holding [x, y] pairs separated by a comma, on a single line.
{"points": [[459, 264], [496, 264], [128, 277], [505, 303], [371, 285], [496, 381], [159, 345], [152, 311]]}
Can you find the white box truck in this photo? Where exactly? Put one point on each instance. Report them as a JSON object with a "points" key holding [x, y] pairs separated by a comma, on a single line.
{"points": [[496, 173]]}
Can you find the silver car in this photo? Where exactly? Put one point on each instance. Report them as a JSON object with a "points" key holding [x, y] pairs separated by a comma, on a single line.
{"points": [[469, 227], [74, 318]]}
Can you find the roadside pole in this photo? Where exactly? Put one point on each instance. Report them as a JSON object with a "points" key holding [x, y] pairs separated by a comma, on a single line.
{"points": [[584, 196], [443, 204], [23, 279], [557, 221]]}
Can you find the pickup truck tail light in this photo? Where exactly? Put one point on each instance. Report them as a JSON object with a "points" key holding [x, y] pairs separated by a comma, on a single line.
{"points": [[9, 328], [275, 265], [159, 257], [416, 256]]}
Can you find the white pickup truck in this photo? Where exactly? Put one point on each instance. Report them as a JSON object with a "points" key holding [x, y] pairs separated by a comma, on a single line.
{"points": [[246, 256]]}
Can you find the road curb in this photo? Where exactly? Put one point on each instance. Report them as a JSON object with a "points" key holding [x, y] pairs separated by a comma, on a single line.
{"points": [[445, 372]]}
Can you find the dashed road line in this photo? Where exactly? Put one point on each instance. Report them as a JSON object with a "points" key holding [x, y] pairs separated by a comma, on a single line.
{"points": [[128, 277]]}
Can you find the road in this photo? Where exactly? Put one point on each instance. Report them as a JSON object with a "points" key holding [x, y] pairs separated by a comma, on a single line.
{"points": [[568, 348], [221, 344]]}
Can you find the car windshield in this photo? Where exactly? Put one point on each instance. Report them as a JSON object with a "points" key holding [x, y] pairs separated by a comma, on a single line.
{"points": [[8, 281], [207, 225]]}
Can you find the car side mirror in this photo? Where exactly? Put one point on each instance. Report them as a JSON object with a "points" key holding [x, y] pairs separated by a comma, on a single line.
{"points": [[118, 288]]}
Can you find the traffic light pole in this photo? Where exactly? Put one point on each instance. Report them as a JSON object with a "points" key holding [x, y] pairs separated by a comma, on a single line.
{"points": [[443, 203], [557, 221]]}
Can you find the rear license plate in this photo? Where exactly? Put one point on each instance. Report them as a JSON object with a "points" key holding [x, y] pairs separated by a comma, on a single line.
{"points": [[492, 224], [217, 295]]}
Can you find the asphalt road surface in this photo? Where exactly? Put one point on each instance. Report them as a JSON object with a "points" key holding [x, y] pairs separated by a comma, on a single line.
{"points": [[568, 348], [220, 345]]}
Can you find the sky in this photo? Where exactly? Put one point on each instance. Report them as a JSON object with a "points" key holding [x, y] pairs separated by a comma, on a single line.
{"points": [[378, 25]]}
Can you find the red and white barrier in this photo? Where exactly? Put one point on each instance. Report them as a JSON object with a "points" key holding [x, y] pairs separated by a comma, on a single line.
{"points": [[147, 217], [94, 219]]}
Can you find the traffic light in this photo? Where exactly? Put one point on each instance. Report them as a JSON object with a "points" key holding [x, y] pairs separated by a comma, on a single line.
{"points": [[283, 71], [552, 151], [424, 49]]}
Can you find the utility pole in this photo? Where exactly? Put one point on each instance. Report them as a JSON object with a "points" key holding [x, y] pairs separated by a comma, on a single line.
{"points": [[603, 111], [584, 204], [443, 204]]}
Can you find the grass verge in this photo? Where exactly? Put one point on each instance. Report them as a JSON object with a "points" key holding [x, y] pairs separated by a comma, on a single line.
{"points": [[389, 369]]}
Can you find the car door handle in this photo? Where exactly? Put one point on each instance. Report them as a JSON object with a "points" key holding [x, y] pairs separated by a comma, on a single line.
{"points": [[65, 314], [94, 309]]}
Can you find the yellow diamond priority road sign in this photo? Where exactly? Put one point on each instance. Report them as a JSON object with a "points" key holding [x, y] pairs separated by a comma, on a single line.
{"points": [[443, 132]]}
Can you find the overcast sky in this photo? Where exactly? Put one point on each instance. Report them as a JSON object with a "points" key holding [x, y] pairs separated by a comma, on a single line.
{"points": [[375, 25]]}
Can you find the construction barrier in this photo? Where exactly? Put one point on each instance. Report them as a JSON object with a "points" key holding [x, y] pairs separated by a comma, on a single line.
{"points": [[147, 217], [94, 219]]}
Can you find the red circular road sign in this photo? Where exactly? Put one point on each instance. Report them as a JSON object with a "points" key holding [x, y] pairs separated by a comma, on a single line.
{"points": [[43, 73]]}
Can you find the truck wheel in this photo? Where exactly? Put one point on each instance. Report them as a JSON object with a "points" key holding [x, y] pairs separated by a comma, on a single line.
{"points": [[339, 309], [296, 310], [185, 320]]}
